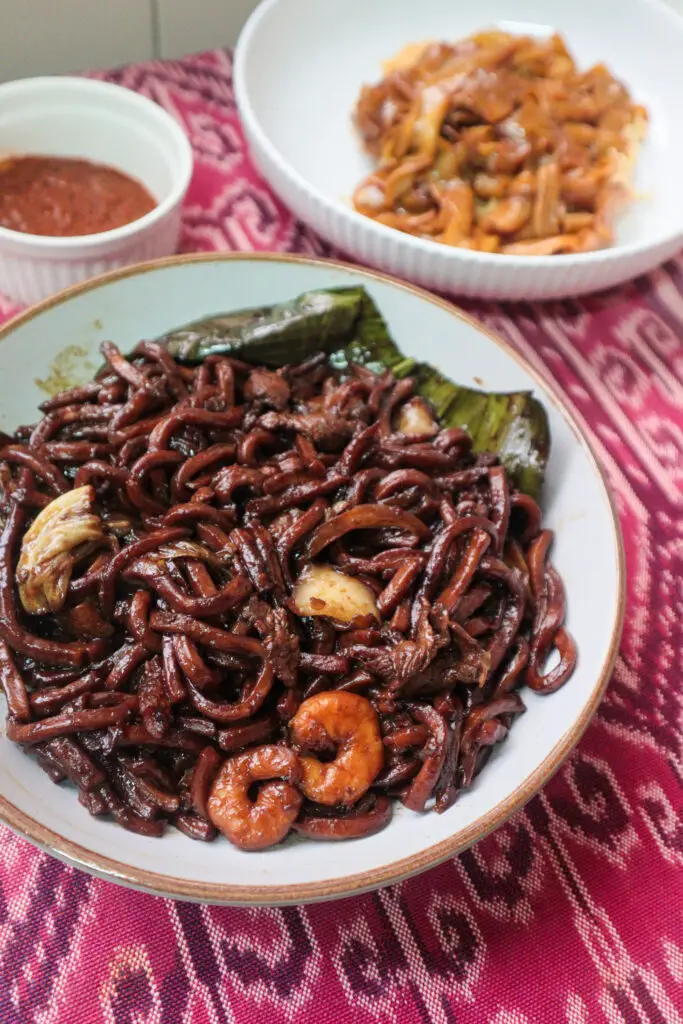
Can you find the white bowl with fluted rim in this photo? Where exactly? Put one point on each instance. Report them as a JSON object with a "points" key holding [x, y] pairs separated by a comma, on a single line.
{"points": [[146, 301], [299, 67], [106, 124]]}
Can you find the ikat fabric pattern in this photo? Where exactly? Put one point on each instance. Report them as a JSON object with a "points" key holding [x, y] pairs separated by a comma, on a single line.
{"points": [[572, 913]]}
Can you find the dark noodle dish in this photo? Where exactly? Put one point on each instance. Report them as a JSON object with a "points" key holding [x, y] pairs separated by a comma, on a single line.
{"points": [[268, 575]]}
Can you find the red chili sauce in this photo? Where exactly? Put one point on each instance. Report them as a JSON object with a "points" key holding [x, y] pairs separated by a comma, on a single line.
{"points": [[46, 195]]}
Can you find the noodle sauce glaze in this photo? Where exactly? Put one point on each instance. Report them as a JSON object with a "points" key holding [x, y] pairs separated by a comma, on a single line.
{"points": [[59, 196], [249, 601]]}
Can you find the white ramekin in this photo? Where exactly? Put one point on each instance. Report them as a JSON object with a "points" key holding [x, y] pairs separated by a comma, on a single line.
{"points": [[91, 120]]}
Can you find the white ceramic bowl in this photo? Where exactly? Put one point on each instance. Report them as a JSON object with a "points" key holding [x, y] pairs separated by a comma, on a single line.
{"points": [[78, 117], [146, 301], [299, 68]]}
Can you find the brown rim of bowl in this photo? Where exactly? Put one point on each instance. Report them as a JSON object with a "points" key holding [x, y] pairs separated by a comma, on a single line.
{"points": [[179, 888]]}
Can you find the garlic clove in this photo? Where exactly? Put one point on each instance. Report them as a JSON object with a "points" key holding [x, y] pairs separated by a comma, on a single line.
{"points": [[415, 419], [322, 590]]}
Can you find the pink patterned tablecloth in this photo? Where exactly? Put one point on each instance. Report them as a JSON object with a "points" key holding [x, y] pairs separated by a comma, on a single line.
{"points": [[570, 913]]}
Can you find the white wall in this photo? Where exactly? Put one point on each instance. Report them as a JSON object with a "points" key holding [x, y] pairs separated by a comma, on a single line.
{"points": [[52, 36]]}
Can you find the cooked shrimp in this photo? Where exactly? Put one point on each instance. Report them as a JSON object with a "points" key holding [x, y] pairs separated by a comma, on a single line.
{"points": [[347, 723], [255, 824]]}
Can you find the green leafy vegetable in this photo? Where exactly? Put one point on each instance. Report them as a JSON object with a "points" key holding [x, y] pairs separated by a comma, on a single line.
{"points": [[346, 324], [273, 335]]}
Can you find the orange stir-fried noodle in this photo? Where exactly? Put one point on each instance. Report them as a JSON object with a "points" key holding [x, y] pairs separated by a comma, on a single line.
{"points": [[499, 143]]}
